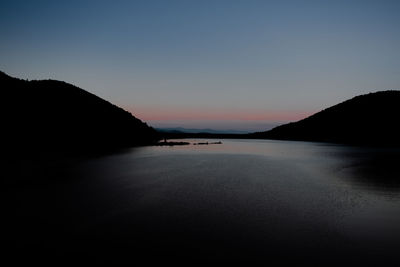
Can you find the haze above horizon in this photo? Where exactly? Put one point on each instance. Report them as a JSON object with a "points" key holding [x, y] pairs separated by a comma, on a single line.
{"points": [[208, 64]]}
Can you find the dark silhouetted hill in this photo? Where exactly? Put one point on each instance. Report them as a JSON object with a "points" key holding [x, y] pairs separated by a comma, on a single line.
{"points": [[371, 119], [49, 115]]}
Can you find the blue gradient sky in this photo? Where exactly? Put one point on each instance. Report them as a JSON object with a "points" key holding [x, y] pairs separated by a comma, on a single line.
{"points": [[220, 64]]}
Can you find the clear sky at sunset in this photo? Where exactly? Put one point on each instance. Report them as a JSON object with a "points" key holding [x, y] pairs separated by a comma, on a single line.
{"points": [[217, 64]]}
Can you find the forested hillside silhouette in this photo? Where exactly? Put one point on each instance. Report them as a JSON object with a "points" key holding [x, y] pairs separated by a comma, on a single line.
{"points": [[371, 119], [48, 115]]}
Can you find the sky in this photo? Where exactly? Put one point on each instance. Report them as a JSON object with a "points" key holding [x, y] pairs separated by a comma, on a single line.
{"points": [[245, 65]]}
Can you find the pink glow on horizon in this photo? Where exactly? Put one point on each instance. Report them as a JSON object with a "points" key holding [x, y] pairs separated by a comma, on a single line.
{"points": [[168, 114]]}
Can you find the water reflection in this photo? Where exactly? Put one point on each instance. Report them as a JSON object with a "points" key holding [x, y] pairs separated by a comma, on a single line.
{"points": [[242, 200], [374, 169]]}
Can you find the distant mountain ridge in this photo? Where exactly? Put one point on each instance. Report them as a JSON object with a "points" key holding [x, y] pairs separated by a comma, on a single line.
{"points": [[371, 119], [205, 130], [49, 115]]}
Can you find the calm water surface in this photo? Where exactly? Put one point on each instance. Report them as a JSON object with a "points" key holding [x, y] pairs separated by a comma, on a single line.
{"points": [[240, 201]]}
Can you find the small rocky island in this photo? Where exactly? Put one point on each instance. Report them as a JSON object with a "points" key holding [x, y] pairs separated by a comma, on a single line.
{"points": [[172, 143], [208, 143], [181, 143]]}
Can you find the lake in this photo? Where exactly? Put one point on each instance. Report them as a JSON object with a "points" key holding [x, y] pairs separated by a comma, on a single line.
{"points": [[242, 201]]}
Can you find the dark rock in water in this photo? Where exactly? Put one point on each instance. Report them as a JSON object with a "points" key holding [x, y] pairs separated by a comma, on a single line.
{"points": [[53, 116], [201, 143], [208, 143], [166, 143], [370, 119]]}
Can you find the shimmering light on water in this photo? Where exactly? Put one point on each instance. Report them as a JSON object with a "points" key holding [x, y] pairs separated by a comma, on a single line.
{"points": [[239, 200]]}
